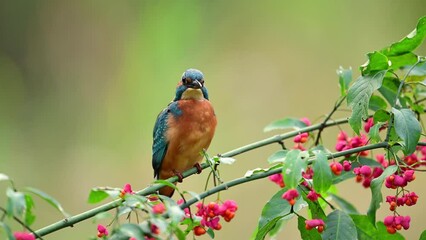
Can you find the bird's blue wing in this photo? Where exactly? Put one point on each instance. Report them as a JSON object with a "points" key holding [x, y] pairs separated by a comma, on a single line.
{"points": [[160, 144]]}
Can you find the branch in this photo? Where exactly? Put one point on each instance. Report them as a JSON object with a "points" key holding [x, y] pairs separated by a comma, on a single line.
{"points": [[269, 172], [69, 222]]}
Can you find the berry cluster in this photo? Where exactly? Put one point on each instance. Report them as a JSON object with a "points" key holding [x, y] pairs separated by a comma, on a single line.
{"points": [[315, 223], [102, 231], [302, 137], [345, 143], [366, 174], [394, 223], [399, 181], [291, 195], [210, 215], [127, 189]]}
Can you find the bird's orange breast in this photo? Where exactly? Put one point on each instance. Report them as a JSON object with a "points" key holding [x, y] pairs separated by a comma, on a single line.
{"points": [[188, 134]]}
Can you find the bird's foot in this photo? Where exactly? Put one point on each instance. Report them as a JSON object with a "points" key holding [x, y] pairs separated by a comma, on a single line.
{"points": [[179, 175], [199, 168]]}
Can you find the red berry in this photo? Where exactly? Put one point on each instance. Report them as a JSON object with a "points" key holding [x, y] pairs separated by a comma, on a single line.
{"points": [[198, 231]]}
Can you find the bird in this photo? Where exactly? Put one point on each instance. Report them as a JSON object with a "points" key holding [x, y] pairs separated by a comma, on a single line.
{"points": [[183, 130]]}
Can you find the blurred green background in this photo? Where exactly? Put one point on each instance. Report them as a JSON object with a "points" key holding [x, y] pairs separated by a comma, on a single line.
{"points": [[81, 83]]}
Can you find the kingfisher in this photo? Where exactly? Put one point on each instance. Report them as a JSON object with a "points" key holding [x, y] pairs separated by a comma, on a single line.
{"points": [[183, 130]]}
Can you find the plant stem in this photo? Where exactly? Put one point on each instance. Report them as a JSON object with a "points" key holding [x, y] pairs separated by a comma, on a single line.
{"points": [[336, 106]]}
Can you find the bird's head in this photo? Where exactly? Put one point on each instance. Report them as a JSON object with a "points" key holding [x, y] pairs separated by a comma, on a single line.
{"points": [[191, 86]]}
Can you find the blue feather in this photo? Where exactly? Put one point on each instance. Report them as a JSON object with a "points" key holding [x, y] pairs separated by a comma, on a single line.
{"points": [[159, 147]]}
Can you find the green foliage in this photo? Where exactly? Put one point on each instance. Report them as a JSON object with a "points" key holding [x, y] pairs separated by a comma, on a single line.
{"points": [[285, 124], [423, 235], [7, 231], [128, 230], [345, 206], [376, 103], [97, 195], [408, 129], [273, 211], [49, 199], [322, 177], [364, 228], [376, 193], [345, 77], [382, 233], [339, 225], [359, 97], [293, 166], [278, 156]]}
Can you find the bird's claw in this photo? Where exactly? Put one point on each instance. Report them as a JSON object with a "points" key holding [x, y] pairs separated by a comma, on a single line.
{"points": [[199, 168], [179, 175]]}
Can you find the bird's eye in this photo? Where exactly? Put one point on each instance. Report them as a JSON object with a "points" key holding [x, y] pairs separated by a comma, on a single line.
{"points": [[201, 81], [186, 80]]}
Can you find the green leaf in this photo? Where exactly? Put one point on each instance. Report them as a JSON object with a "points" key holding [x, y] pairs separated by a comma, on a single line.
{"points": [[345, 77], [365, 229], [96, 195], [29, 216], [130, 230], [167, 183], [306, 234], [273, 211], [389, 89], [369, 162], [315, 208], [374, 133], [277, 228], [376, 193], [402, 60], [7, 230], [377, 103], [49, 199], [278, 156], [408, 129], [210, 232], [343, 176], [16, 202], [293, 166], [284, 124], [322, 177], [359, 96], [410, 42], [339, 226], [376, 62], [381, 116], [101, 216], [423, 235], [417, 73], [346, 206], [384, 235]]}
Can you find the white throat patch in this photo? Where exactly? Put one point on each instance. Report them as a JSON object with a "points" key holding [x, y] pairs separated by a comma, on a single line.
{"points": [[192, 93]]}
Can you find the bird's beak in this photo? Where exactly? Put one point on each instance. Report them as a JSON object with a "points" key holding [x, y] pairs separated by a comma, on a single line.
{"points": [[195, 84]]}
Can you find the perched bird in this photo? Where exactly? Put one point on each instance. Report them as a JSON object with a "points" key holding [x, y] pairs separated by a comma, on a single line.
{"points": [[183, 130]]}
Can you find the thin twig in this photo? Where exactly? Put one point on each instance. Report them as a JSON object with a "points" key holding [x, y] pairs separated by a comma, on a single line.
{"points": [[327, 118], [22, 224]]}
